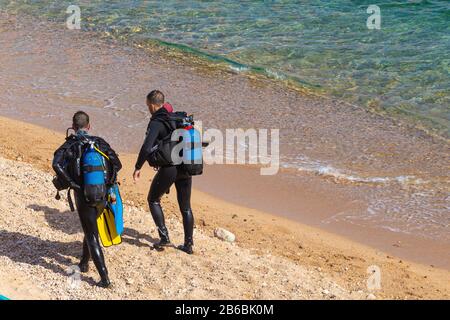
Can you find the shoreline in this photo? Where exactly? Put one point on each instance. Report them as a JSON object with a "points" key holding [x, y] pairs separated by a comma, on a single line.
{"points": [[52, 73], [318, 210], [316, 207], [55, 72], [345, 261]]}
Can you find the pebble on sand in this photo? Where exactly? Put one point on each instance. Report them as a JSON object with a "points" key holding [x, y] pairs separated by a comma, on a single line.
{"points": [[224, 235]]}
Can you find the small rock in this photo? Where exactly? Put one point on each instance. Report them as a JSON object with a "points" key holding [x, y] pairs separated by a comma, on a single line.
{"points": [[326, 292], [371, 296], [224, 235], [19, 158]]}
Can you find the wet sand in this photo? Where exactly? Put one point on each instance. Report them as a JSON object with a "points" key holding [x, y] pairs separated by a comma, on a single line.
{"points": [[49, 72], [306, 202]]}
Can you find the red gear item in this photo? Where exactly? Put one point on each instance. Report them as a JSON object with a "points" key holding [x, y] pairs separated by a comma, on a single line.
{"points": [[168, 107]]}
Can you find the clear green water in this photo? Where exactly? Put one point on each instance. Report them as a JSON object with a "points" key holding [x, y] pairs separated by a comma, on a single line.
{"points": [[323, 45]]}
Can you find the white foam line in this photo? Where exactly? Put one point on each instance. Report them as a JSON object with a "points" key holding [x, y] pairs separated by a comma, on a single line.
{"points": [[239, 69], [329, 171]]}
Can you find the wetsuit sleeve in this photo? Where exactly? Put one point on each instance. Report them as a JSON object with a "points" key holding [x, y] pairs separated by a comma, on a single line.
{"points": [[58, 163], [113, 159], [155, 130]]}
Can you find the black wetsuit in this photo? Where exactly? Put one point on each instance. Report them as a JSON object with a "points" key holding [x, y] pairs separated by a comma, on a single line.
{"points": [[164, 179], [88, 215]]}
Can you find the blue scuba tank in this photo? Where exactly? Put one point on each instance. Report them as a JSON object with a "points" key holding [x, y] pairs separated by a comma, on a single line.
{"points": [[94, 176], [192, 152]]}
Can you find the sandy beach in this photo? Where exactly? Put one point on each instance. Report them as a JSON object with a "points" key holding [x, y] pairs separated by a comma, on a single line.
{"points": [[273, 258], [356, 188], [345, 170], [42, 241]]}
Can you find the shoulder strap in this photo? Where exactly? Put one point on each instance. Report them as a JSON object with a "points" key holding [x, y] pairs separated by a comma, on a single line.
{"points": [[75, 140], [167, 123], [69, 199], [170, 128]]}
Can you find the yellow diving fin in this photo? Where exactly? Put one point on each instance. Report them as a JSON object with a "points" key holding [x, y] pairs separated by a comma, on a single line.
{"points": [[107, 229]]}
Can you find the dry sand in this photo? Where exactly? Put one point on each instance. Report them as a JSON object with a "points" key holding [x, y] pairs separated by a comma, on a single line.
{"points": [[272, 258]]}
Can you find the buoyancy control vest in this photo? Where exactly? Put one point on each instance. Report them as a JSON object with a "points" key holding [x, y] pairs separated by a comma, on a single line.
{"points": [[88, 167], [188, 143]]}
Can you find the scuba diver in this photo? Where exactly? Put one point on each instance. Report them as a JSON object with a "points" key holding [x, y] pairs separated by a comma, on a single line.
{"points": [[161, 126], [70, 166]]}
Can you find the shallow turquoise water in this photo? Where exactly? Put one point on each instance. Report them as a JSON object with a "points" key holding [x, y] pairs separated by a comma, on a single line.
{"points": [[402, 68]]}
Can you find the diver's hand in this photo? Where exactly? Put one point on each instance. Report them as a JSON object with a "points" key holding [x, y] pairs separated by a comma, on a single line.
{"points": [[136, 175]]}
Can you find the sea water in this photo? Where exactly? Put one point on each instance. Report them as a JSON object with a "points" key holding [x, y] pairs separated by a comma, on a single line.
{"points": [[401, 69]]}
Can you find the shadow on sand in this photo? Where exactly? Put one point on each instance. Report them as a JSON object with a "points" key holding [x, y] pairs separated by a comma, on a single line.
{"points": [[52, 255], [69, 223]]}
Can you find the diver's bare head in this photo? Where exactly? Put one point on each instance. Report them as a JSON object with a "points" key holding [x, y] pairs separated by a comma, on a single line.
{"points": [[80, 121], [155, 101]]}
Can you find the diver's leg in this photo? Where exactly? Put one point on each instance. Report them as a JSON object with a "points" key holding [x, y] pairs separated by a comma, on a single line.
{"points": [[184, 188], [160, 185], [88, 218], [84, 262]]}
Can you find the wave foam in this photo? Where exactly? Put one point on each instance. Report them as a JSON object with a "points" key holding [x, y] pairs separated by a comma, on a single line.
{"points": [[339, 175]]}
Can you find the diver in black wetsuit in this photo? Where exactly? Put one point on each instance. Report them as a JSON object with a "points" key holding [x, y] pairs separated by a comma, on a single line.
{"points": [[165, 177], [64, 164]]}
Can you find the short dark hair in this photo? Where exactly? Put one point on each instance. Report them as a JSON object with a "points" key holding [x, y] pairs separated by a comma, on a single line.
{"points": [[80, 120], [156, 97]]}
